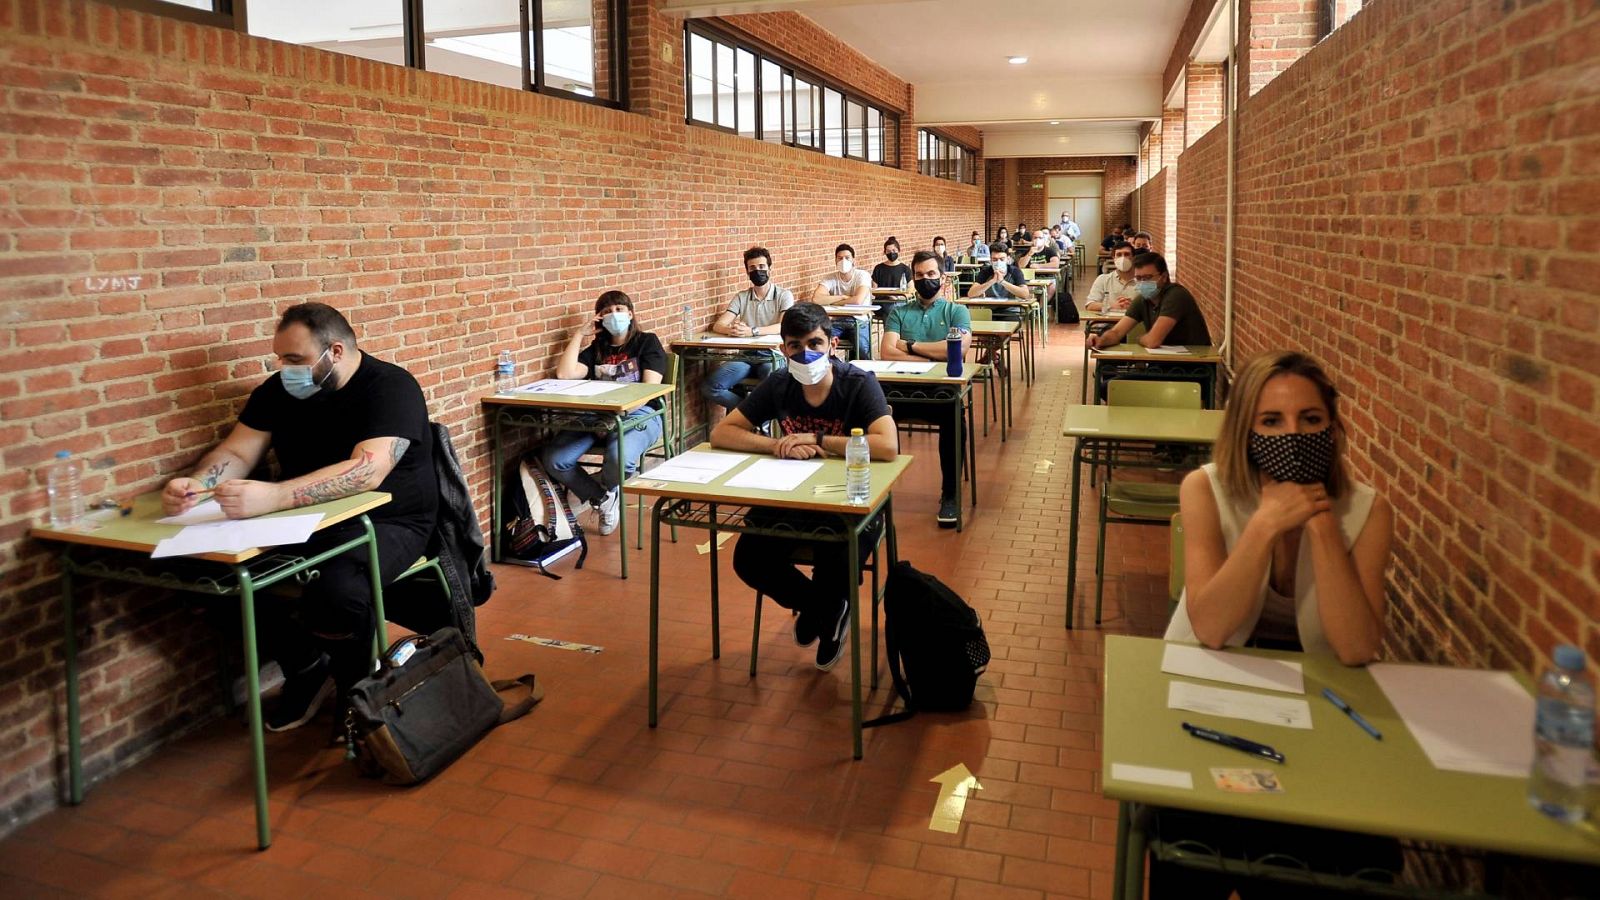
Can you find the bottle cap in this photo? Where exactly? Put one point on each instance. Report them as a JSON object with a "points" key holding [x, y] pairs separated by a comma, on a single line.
{"points": [[1568, 657], [63, 454], [856, 432]]}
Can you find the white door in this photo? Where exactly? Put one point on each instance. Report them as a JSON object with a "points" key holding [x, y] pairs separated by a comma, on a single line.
{"points": [[1081, 196]]}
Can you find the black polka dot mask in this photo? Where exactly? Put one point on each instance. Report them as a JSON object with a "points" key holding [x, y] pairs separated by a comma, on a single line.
{"points": [[1303, 458]]}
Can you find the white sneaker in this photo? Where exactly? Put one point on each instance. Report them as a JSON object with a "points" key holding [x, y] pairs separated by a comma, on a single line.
{"points": [[610, 510]]}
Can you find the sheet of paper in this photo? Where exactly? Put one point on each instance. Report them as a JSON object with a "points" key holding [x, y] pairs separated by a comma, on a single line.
{"points": [[854, 307], [1467, 720], [884, 365], [1233, 668], [696, 466], [1169, 351], [548, 386], [772, 339], [1265, 708], [591, 388], [775, 474], [234, 535], [1173, 778], [199, 514]]}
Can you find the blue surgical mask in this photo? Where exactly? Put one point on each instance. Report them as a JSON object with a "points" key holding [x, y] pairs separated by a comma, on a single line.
{"points": [[617, 323], [808, 366], [1147, 289], [300, 382]]}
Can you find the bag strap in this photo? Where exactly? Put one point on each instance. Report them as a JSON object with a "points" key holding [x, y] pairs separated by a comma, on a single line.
{"points": [[892, 647], [517, 710]]}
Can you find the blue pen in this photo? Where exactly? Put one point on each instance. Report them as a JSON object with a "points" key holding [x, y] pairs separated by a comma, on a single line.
{"points": [[1354, 716]]}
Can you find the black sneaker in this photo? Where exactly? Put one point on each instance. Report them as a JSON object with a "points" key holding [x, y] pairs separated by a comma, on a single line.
{"points": [[302, 696], [949, 511], [805, 629], [830, 645]]}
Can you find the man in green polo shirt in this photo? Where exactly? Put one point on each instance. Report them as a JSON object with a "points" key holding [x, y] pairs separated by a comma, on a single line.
{"points": [[916, 331]]}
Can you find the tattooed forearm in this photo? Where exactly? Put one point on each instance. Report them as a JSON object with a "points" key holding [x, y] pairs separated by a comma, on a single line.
{"points": [[398, 449], [213, 474], [352, 480]]}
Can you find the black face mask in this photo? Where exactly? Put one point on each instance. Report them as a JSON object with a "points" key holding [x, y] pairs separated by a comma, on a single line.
{"points": [[892, 255], [929, 288], [1303, 458], [758, 277]]}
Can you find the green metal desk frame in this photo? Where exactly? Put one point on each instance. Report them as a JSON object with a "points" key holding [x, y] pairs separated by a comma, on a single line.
{"points": [[998, 346], [938, 393]]}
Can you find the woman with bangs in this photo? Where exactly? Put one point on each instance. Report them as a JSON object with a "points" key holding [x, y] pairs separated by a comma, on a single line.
{"points": [[1281, 548]]}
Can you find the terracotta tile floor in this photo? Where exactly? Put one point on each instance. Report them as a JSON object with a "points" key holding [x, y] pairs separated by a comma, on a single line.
{"points": [[746, 789]]}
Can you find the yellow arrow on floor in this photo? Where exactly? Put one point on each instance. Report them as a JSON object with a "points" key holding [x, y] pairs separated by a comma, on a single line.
{"points": [[1043, 465], [721, 539], [954, 783]]}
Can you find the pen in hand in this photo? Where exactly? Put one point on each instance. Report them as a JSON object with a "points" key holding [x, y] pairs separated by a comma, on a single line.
{"points": [[1354, 716]]}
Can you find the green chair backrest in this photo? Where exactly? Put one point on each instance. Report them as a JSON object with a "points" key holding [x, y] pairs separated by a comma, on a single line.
{"points": [[981, 313], [1165, 394], [1175, 569]]}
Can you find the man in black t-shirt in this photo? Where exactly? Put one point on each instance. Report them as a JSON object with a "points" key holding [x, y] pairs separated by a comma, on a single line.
{"points": [[816, 403], [339, 422], [1167, 310], [891, 273]]}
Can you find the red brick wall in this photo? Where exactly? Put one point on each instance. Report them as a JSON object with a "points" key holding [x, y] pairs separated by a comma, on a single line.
{"points": [[1202, 100], [1434, 235], [1172, 130], [1015, 179], [1281, 31], [1153, 210], [235, 176]]}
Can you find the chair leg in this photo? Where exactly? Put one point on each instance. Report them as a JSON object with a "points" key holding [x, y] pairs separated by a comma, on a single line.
{"points": [[755, 636], [1100, 560]]}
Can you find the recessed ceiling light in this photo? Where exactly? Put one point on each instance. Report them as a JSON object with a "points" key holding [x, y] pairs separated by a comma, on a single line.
{"points": [[1055, 123], [1016, 60]]}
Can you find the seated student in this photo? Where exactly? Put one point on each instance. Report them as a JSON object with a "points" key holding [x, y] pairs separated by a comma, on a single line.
{"points": [[999, 280], [1043, 252], [1115, 289], [1002, 236], [891, 273], [847, 285], [815, 406], [610, 346], [1282, 549], [1142, 243], [1168, 310], [1117, 236], [1022, 235], [947, 262], [340, 421], [1059, 239], [753, 312], [916, 330], [978, 251]]}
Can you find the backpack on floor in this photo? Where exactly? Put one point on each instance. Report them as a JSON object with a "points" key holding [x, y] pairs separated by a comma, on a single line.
{"points": [[538, 527], [936, 645]]}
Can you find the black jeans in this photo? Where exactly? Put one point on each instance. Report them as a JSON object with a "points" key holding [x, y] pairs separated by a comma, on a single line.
{"points": [[944, 417], [768, 563], [334, 614]]}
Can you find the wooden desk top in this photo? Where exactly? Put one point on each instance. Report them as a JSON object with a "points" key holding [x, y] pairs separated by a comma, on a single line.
{"points": [[625, 399], [993, 328], [1198, 353], [139, 531], [933, 377], [1143, 423], [884, 476], [727, 342]]}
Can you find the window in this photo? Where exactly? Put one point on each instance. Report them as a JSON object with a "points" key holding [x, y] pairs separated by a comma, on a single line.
{"points": [[551, 46], [220, 13], [940, 157], [746, 91]]}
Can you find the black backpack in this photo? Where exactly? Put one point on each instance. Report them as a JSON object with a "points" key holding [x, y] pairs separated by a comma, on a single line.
{"points": [[936, 645]]}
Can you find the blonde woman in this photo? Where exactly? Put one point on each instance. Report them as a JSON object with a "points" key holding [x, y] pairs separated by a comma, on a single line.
{"points": [[1281, 549], [1280, 546]]}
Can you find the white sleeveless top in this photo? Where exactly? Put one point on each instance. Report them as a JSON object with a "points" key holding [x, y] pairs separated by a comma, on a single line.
{"points": [[1351, 511]]}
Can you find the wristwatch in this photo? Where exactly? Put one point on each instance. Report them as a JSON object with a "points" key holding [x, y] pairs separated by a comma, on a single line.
{"points": [[819, 439]]}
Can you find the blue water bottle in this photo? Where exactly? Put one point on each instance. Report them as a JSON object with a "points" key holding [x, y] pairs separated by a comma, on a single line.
{"points": [[952, 353]]}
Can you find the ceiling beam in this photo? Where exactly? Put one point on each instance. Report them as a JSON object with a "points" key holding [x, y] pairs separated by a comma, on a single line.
{"points": [[696, 9]]}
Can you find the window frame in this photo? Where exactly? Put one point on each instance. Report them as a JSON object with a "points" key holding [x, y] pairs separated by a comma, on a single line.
{"points": [[234, 15], [820, 91], [945, 158]]}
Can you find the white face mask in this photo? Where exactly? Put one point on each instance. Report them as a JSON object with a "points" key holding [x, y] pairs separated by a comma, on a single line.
{"points": [[1124, 264], [999, 267], [846, 266], [808, 366]]}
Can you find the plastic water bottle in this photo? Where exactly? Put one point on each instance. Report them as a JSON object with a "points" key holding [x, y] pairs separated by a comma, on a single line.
{"points": [[65, 484], [688, 323], [505, 372], [952, 353], [857, 468], [1563, 738]]}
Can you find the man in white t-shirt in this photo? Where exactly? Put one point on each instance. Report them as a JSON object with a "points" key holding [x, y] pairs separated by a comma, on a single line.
{"points": [[1114, 290], [847, 285]]}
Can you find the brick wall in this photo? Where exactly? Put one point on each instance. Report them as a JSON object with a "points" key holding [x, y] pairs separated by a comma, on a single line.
{"points": [[1014, 179], [1202, 100], [1434, 235], [1281, 31], [1153, 210], [1172, 129], [167, 189]]}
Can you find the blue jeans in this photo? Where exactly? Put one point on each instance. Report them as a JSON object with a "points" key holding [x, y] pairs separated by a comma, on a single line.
{"points": [[560, 456], [857, 331], [719, 385]]}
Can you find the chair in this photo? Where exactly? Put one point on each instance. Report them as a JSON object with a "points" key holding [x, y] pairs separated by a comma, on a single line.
{"points": [[986, 372], [1137, 503], [1175, 566]]}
